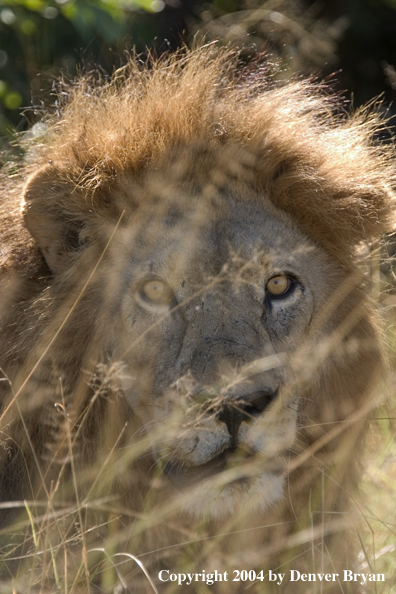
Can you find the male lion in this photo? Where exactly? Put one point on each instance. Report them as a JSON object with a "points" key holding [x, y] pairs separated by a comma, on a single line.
{"points": [[186, 336]]}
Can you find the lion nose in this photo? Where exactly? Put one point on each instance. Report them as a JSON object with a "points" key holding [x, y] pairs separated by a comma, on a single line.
{"points": [[244, 408]]}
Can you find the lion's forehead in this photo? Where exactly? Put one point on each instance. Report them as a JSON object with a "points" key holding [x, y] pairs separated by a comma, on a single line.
{"points": [[200, 241]]}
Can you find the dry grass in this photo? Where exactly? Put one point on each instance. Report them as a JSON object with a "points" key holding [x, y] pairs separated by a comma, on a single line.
{"points": [[82, 542]]}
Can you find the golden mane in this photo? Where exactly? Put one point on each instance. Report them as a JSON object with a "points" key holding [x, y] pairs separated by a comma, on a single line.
{"points": [[321, 165]]}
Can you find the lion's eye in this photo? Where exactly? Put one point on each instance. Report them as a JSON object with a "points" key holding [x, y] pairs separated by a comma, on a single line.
{"points": [[278, 285], [156, 292]]}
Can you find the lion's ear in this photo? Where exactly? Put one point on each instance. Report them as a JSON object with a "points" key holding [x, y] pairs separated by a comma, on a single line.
{"points": [[49, 201]]}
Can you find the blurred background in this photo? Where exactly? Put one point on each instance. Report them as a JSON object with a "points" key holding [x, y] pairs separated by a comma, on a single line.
{"points": [[351, 43]]}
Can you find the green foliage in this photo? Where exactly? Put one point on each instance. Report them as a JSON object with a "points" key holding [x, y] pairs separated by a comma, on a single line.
{"points": [[41, 38]]}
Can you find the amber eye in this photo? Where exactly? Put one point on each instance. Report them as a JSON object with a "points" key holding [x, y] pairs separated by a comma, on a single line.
{"points": [[278, 285], [156, 291]]}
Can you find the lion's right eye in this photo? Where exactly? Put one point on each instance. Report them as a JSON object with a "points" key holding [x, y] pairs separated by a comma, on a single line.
{"points": [[279, 285], [156, 292]]}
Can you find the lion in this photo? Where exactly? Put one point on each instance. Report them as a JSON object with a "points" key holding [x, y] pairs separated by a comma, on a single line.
{"points": [[188, 341]]}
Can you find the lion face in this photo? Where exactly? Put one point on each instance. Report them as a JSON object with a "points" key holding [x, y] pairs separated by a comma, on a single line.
{"points": [[216, 302]]}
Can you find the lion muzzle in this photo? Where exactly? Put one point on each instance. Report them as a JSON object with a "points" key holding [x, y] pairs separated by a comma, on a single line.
{"points": [[245, 408]]}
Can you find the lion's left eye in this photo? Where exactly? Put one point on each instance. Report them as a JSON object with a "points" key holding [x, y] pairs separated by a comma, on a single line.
{"points": [[156, 292], [279, 285]]}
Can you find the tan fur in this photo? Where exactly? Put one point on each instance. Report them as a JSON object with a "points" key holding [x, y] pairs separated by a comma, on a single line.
{"points": [[213, 180]]}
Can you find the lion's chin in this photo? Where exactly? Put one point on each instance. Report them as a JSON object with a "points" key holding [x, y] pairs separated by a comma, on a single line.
{"points": [[224, 486], [211, 500]]}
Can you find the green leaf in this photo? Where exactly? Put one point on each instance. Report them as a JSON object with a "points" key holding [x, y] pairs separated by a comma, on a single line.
{"points": [[13, 100]]}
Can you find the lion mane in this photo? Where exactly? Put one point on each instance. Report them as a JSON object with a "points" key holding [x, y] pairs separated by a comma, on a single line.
{"points": [[188, 345]]}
